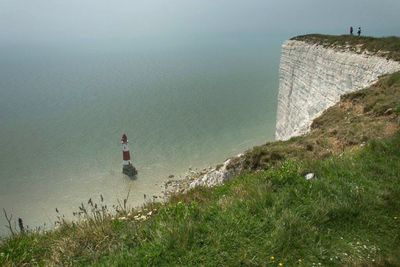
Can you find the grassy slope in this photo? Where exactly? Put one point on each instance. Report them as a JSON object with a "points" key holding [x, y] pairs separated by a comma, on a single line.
{"points": [[388, 47], [348, 215]]}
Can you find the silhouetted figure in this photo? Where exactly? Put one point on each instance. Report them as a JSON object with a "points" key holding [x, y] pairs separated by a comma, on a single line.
{"points": [[359, 31], [351, 30]]}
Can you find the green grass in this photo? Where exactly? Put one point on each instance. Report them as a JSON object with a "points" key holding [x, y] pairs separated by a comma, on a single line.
{"points": [[388, 47], [349, 214]]}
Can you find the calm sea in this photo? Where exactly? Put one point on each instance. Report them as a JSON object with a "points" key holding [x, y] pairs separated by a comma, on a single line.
{"points": [[63, 110]]}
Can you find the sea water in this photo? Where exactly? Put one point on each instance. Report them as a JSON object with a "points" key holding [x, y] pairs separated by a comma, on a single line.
{"points": [[64, 108]]}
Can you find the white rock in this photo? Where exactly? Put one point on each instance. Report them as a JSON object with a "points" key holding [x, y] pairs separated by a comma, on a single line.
{"points": [[309, 176], [213, 177], [312, 78]]}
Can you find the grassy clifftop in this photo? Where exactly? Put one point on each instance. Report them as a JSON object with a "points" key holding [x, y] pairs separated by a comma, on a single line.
{"points": [[270, 215], [388, 47]]}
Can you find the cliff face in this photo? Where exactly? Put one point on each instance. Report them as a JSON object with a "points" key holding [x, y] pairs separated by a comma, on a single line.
{"points": [[312, 78], [315, 71]]}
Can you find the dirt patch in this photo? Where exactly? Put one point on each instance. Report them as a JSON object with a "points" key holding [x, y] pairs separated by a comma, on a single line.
{"points": [[391, 129]]}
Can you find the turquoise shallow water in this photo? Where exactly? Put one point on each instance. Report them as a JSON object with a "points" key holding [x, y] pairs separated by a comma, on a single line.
{"points": [[63, 110]]}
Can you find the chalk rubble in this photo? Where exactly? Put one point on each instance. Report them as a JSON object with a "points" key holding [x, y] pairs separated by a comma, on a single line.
{"points": [[214, 177]]}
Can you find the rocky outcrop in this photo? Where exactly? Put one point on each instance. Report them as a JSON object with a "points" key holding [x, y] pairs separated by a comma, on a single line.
{"points": [[208, 177], [312, 78], [214, 177], [129, 170]]}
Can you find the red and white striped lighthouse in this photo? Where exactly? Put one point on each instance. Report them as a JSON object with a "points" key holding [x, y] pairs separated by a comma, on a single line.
{"points": [[127, 167], [126, 156]]}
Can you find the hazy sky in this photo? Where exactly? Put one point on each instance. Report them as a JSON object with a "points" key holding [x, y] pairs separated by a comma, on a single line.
{"points": [[49, 21]]}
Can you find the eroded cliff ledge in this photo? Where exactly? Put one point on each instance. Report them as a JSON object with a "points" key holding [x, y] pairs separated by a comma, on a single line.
{"points": [[315, 71]]}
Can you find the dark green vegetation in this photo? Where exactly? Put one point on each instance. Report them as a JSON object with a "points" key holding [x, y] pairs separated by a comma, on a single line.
{"points": [[269, 215], [388, 47]]}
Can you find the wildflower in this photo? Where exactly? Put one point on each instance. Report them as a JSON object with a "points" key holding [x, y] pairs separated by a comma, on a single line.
{"points": [[395, 218], [272, 258], [280, 264], [149, 213], [299, 260]]}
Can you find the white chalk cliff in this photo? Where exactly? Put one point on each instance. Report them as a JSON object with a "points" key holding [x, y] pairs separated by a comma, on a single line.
{"points": [[312, 78]]}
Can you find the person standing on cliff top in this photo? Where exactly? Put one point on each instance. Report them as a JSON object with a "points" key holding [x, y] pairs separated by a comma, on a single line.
{"points": [[359, 31], [351, 30]]}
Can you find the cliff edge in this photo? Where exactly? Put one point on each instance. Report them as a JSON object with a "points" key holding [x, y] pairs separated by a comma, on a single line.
{"points": [[315, 70]]}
